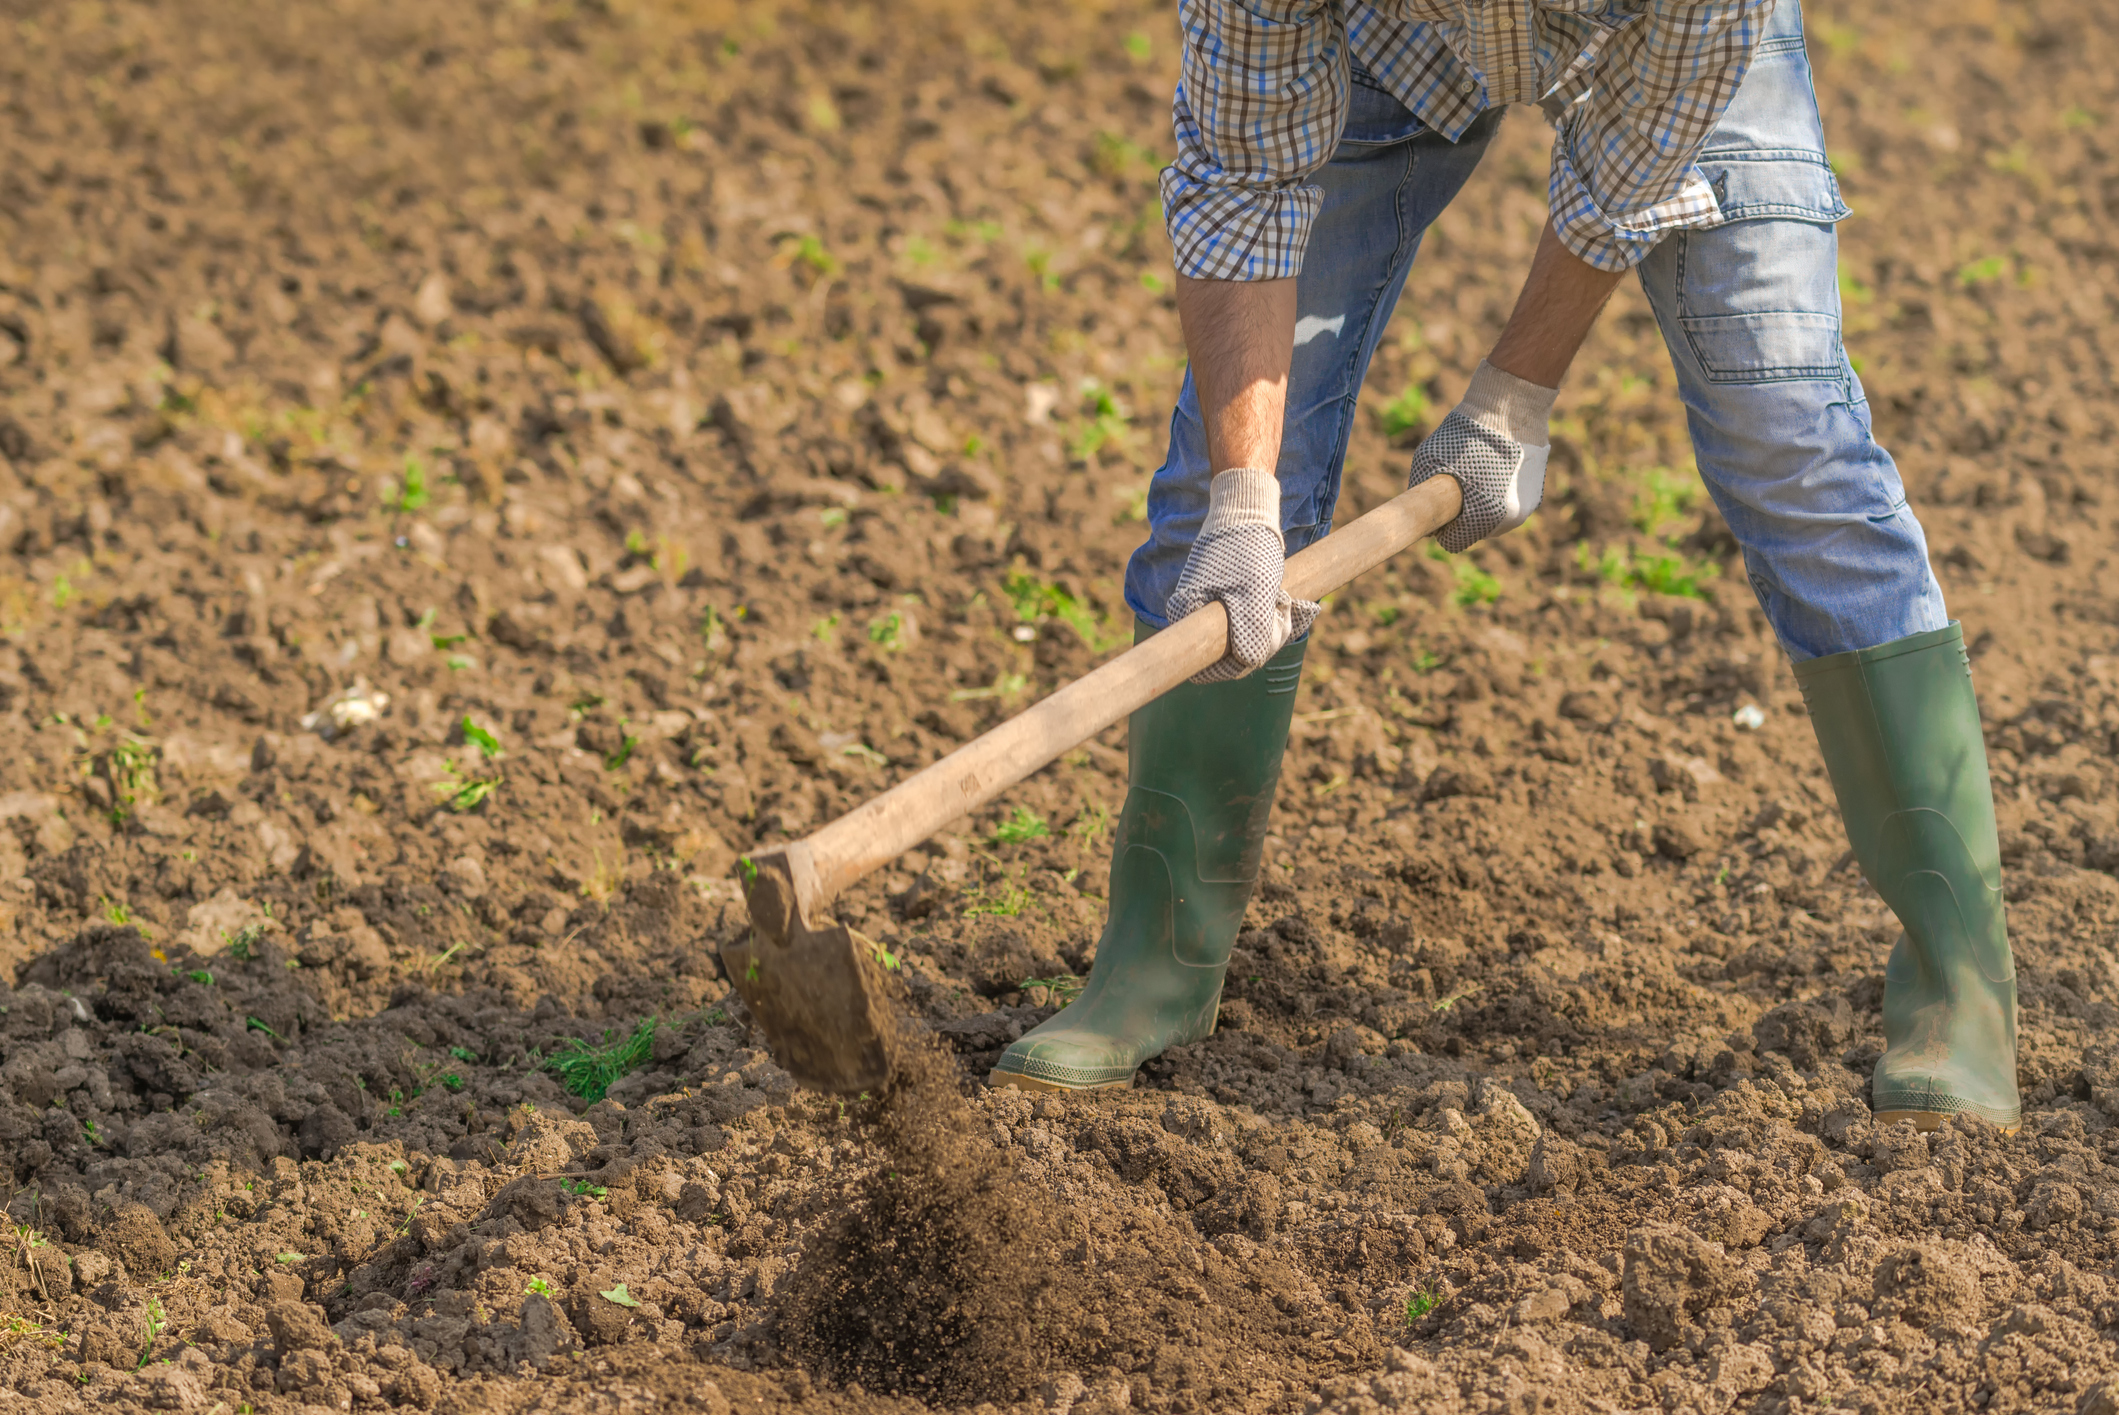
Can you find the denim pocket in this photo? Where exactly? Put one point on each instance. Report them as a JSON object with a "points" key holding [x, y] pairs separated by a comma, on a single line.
{"points": [[1791, 183], [1374, 117], [1758, 295]]}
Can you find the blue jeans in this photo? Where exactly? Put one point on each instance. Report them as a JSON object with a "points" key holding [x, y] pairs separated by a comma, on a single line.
{"points": [[1750, 310]]}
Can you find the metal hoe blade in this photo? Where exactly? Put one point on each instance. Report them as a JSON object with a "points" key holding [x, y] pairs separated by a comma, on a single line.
{"points": [[814, 991]]}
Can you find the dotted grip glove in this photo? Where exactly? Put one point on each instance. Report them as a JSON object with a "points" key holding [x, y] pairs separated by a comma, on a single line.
{"points": [[1495, 444], [1237, 560]]}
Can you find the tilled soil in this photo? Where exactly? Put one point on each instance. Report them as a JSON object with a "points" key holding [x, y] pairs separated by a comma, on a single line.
{"points": [[470, 471]]}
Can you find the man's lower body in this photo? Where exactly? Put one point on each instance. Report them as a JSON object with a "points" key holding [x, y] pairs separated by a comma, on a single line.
{"points": [[1780, 429]]}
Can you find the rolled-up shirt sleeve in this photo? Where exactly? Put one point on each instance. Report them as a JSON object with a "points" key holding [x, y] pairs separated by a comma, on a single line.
{"points": [[1261, 100], [1624, 169]]}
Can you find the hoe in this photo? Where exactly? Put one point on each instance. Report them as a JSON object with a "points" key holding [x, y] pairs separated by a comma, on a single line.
{"points": [[812, 983]]}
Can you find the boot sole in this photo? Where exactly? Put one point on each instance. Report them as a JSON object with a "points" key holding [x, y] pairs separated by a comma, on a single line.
{"points": [[1021, 1082], [1927, 1120]]}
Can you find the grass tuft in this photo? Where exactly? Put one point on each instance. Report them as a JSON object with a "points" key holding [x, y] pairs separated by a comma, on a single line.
{"points": [[589, 1070], [1023, 826]]}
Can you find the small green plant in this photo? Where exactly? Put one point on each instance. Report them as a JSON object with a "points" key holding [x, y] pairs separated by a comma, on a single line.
{"points": [[884, 957], [464, 792], [619, 1295], [1673, 575], [1060, 990], [712, 631], [411, 492], [243, 943], [201, 975], [131, 769], [451, 1082], [1004, 685], [294, 1257], [887, 633], [1444, 1004], [1034, 599], [62, 592], [748, 868], [116, 913], [1426, 1300], [810, 252], [1474, 586], [1005, 900], [539, 1287], [636, 544], [1983, 272], [1664, 501], [1405, 413], [256, 1026], [463, 1053], [157, 1323], [1022, 826], [1089, 827], [622, 754], [584, 1188], [1105, 424], [588, 1070], [488, 745]]}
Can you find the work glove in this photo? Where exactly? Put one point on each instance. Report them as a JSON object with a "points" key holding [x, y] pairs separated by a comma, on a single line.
{"points": [[1237, 560], [1495, 444]]}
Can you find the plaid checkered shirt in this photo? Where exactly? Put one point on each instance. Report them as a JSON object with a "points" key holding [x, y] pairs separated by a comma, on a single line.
{"points": [[1634, 88]]}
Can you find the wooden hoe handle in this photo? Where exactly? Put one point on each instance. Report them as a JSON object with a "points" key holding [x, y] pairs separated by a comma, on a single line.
{"points": [[877, 832]]}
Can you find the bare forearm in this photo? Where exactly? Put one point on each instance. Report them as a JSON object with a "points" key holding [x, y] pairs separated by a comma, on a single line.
{"points": [[1239, 335], [1554, 314]]}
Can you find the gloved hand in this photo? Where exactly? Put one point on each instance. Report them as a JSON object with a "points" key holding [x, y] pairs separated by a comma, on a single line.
{"points": [[1237, 560], [1495, 444]]}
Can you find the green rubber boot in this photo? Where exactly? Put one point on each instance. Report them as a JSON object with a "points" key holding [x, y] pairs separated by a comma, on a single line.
{"points": [[1899, 728], [1204, 759]]}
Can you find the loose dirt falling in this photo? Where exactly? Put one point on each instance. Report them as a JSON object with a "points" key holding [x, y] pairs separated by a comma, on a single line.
{"points": [[942, 1279]]}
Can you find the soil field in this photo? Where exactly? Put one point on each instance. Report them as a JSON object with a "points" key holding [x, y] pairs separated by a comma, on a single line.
{"points": [[467, 472]]}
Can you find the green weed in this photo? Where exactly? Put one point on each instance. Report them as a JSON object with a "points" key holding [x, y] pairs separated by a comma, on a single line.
{"points": [[810, 252], [1003, 686], [157, 1323], [410, 493], [1061, 990], [1660, 574], [538, 1286], [1034, 599], [463, 1053], [623, 754], [488, 745], [1405, 413], [243, 943], [200, 975], [1474, 586], [589, 1070], [464, 792], [887, 633], [1426, 1300], [1663, 500], [619, 1295], [1983, 272], [1021, 827], [131, 770], [1105, 423], [584, 1188]]}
